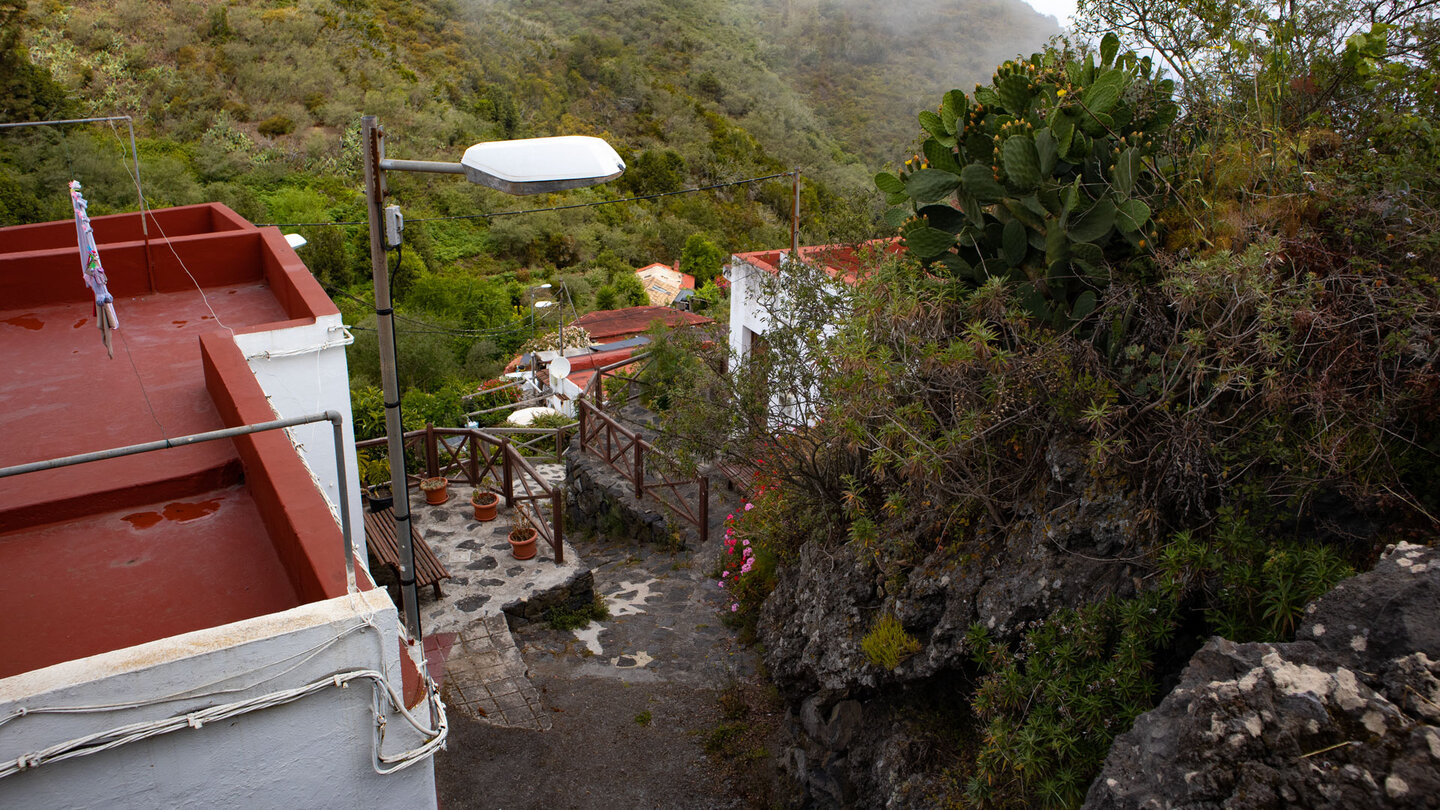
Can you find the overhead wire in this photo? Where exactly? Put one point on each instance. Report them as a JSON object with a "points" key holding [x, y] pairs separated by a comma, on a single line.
{"points": [[518, 212]]}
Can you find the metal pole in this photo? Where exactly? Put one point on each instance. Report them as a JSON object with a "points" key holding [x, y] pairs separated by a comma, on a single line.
{"points": [[795, 223], [333, 417], [372, 138]]}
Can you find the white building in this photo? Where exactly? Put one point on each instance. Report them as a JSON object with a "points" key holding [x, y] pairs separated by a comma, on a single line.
{"points": [[179, 629]]}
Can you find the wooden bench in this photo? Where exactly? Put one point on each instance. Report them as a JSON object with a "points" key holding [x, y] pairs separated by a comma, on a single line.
{"points": [[737, 477], [380, 537]]}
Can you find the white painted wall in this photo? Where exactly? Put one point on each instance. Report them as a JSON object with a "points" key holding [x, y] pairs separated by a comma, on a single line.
{"points": [[747, 309], [758, 302], [313, 753], [302, 371]]}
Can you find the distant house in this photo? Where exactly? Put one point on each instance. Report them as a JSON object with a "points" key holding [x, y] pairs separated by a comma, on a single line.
{"points": [[609, 325], [751, 307], [663, 283], [616, 335]]}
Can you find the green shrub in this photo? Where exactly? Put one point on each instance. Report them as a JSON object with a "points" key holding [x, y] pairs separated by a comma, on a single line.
{"points": [[1050, 709], [275, 126], [887, 645], [562, 617]]}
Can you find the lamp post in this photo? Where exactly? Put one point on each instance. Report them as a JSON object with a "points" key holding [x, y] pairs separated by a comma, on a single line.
{"points": [[529, 166]]}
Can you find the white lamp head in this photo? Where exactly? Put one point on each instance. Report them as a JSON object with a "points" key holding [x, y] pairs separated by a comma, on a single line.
{"points": [[542, 165]]}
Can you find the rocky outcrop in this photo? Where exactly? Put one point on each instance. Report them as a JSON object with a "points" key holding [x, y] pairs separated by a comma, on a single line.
{"points": [[1066, 549], [1346, 716]]}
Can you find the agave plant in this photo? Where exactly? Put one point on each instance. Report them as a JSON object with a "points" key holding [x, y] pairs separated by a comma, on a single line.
{"points": [[1044, 177]]}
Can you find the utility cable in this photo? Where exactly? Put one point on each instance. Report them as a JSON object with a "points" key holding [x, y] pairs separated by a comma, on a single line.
{"points": [[591, 204]]}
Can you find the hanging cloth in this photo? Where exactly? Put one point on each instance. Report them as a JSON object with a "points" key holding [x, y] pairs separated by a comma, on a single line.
{"points": [[94, 273]]}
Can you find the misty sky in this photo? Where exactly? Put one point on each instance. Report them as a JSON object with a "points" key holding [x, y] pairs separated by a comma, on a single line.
{"points": [[1059, 9]]}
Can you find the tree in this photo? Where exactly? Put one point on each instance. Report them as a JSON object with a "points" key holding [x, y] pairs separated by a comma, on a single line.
{"points": [[702, 259], [630, 291], [26, 92]]}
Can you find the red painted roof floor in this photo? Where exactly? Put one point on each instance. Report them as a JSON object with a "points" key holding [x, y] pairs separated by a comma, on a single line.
{"points": [[102, 556], [113, 580], [63, 396]]}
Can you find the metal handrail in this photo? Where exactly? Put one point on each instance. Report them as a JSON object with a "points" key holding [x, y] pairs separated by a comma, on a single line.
{"points": [[333, 417]]}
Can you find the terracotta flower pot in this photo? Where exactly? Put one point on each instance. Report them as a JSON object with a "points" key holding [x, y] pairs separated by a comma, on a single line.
{"points": [[486, 504], [524, 548], [437, 490]]}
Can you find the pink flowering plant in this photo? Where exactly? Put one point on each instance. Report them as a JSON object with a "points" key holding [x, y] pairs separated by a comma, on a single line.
{"points": [[747, 572]]}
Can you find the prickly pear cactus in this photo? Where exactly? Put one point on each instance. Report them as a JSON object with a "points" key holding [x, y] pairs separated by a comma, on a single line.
{"points": [[1044, 178]]}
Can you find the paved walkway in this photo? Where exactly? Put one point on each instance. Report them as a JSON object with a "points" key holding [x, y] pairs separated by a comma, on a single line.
{"points": [[630, 700]]}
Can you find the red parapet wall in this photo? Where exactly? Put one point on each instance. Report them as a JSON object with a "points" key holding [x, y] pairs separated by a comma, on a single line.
{"points": [[192, 246], [297, 516]]}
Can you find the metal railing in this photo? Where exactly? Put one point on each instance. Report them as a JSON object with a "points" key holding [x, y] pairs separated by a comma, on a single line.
{"points": [[477, 459], [333, 417], [624, 451]]}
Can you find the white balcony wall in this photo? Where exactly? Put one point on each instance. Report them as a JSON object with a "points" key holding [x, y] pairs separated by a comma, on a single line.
{"points": [[302, 370], [315, 752]]}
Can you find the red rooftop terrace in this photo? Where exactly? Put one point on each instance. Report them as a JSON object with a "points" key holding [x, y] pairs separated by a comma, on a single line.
{"points": [[106, 555]]}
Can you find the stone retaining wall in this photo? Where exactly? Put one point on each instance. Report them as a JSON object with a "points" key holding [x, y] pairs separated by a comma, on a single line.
{"points": [[600, 500]]}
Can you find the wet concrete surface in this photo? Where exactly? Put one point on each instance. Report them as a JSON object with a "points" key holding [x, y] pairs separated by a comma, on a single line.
{"points": [[630, 698]]}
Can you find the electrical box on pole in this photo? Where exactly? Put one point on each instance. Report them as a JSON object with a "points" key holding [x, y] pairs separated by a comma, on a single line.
{"points": [[394, 226]]}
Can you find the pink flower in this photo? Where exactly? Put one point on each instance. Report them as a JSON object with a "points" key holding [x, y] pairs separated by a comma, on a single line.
{"points": [[724, 574], [745, 540], [734, 606], [749, 506]]}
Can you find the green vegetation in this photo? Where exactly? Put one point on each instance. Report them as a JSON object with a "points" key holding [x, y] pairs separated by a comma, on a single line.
{"points": [[1052, 170], [562, 617], [257, 105], [643, 718], [1223, 319], [887, 645]]}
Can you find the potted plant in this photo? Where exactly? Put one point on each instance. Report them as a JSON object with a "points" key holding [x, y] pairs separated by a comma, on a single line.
{"points": [[435, 489], [522, 534], [486, 503]]}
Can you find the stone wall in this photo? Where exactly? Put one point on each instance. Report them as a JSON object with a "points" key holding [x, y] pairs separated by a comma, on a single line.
{"points": [[600, 500]]}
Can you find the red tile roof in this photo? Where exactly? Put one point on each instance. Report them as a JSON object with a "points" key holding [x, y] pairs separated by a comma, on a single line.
{"points": [[839, 261], [609, 325]]}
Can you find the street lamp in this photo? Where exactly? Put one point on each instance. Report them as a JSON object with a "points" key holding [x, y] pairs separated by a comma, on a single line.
{"points": [[529, 166]]}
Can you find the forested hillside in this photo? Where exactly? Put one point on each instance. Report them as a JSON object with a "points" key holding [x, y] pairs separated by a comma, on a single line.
{"points": [[257, 105]]}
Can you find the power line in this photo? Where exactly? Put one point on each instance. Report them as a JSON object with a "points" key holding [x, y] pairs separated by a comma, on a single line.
{"points": [[436, 329], [539, 210]]}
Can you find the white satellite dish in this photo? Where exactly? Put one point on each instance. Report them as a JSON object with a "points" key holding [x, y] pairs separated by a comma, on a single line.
{"points": [[559, 370]]}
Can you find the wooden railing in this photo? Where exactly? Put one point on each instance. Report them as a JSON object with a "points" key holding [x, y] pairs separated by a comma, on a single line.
{"points": [[474, 458], [625, 451], [548, 442], [595, 389]]}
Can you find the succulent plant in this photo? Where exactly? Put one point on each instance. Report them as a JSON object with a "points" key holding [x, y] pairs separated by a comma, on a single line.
{"points": [[1043, 177]]}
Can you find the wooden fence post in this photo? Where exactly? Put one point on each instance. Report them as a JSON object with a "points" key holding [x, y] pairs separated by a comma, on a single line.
{"points": [[704, 483], [557, 524], [508, 475], [639, 468], [432, 466], [474, 441], [584, 419]]}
